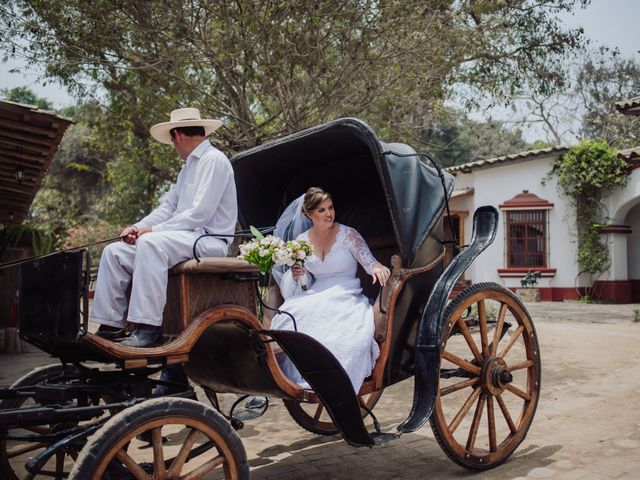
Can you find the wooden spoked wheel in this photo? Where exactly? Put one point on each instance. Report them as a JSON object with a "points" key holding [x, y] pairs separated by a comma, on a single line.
{"points": [[314, 418], [489, 377], [14, 453], [164, 439]]}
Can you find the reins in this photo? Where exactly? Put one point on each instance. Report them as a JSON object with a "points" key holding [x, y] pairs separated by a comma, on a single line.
{"points": [[69, 249], [240, 234]]}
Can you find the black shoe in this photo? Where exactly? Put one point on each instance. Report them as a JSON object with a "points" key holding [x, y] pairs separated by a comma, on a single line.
{"points": [[256, 402], [174, 391], [110, 333], [144, 336], [174, 381]]}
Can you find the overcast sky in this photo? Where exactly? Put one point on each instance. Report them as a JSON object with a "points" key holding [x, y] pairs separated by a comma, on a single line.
{"points": [[605, 22]]}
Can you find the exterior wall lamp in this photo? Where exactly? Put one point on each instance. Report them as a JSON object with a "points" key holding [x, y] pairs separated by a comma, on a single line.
{"points": [[19, 174]]}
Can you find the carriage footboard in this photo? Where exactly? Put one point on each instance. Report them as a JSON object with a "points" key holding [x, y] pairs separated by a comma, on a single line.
{"points": [[329, 381], [427, 355]]}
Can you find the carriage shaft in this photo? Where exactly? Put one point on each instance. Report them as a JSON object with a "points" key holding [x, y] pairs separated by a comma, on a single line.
{"points": [[38, 415]]}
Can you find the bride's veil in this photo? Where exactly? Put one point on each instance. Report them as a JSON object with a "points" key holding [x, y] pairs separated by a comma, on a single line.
{"points": [[291, 223]]}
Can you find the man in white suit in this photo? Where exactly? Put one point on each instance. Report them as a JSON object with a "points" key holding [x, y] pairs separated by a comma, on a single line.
{"points": [[203, 200]]}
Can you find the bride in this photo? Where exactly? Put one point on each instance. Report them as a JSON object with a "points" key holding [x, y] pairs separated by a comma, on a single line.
{"points": [[332, 309]]}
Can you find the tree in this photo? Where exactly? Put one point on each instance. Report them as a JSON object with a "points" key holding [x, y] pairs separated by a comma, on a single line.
{"points": [[271, 68], [27, 96], [604, 80], [454, 138], [75, 183], [584, 106]]}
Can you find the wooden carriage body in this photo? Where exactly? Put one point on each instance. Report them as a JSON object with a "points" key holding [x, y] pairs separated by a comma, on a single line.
{"points": [[214, 326], [211, 316]]}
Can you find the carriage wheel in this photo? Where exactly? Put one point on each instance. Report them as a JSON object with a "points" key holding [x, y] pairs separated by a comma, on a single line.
{"points": [[12, 451], [188, 440], [314, 418], [489, 377]]}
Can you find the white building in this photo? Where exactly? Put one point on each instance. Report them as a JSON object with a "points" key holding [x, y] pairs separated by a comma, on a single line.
{"points": [[537, 228]]}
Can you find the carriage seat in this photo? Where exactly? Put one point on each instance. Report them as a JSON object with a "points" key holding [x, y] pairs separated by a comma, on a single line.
{"points": [[214, 265], [194, 287]]}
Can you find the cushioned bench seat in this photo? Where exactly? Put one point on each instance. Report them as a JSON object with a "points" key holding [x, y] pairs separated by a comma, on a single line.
{"points": [[214, 265], [194, 287]]}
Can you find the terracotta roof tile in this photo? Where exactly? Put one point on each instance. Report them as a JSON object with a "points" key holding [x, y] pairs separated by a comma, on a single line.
{"points": [[528, 155], [630, 154], [629, 107]]}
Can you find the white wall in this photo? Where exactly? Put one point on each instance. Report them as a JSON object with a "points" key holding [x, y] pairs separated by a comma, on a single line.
{"points": [[496, 184], [633, 243], [625, 199], [624, 249]]}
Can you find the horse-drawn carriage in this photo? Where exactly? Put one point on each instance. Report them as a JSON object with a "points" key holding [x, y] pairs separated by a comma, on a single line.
{"points": [[475, 358]]}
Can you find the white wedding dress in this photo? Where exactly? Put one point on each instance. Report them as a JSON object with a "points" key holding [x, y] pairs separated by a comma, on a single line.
{"points": [[333, 310]]}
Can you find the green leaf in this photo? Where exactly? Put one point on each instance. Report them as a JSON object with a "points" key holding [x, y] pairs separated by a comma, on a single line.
{"points": [[587, 174], [256, 233]]}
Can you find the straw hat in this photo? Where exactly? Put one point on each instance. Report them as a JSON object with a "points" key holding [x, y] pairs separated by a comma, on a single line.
{"points": [[183, 117]]}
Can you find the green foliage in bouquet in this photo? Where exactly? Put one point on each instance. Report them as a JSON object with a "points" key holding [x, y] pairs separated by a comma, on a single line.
{"points": [[267, 251]]}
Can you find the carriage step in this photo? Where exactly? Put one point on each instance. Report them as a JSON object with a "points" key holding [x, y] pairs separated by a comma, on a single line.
{"points": [[244, 415], [382, 438], [255, 407]]}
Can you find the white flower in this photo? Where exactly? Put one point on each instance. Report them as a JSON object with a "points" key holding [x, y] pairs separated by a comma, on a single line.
{"points": [[271, 250], [280, 256]]}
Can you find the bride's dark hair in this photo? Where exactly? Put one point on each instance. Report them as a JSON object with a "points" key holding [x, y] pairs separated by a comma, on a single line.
{"points": [[313, 198]]}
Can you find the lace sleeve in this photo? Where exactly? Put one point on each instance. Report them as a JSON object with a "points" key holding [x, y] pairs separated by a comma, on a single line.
{"points": [[359, 249]]}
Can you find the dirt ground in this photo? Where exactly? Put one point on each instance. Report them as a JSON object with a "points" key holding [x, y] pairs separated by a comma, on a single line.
{"points": [[587, 425]]}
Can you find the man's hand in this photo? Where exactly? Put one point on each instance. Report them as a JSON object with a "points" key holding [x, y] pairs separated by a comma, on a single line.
{"points": [[129, 235], [144, 230]]}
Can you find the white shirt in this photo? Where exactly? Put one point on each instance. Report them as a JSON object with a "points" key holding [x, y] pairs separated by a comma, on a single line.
{"points": [[203, 197]]}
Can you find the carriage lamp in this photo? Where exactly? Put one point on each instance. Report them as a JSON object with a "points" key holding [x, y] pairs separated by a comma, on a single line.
{"points": [[19, 174]]}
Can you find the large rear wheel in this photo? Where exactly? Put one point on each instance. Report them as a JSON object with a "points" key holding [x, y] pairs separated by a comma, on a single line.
{"points": [[314, 418], [188, 440], [489, 377]]}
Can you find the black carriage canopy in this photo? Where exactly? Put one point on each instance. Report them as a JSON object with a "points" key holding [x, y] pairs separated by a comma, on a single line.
{"points": [[379, 193]]}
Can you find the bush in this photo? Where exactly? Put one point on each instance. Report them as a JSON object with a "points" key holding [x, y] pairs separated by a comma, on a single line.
{"points": [[91, 232], [41, 241], [587, 174]]}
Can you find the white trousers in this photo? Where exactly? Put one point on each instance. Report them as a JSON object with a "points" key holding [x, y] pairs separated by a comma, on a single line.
{"points": [[145, 267]]}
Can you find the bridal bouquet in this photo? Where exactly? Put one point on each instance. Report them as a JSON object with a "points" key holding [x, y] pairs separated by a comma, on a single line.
{"points": [[264, 252], [267, 251], [298, 251]]}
